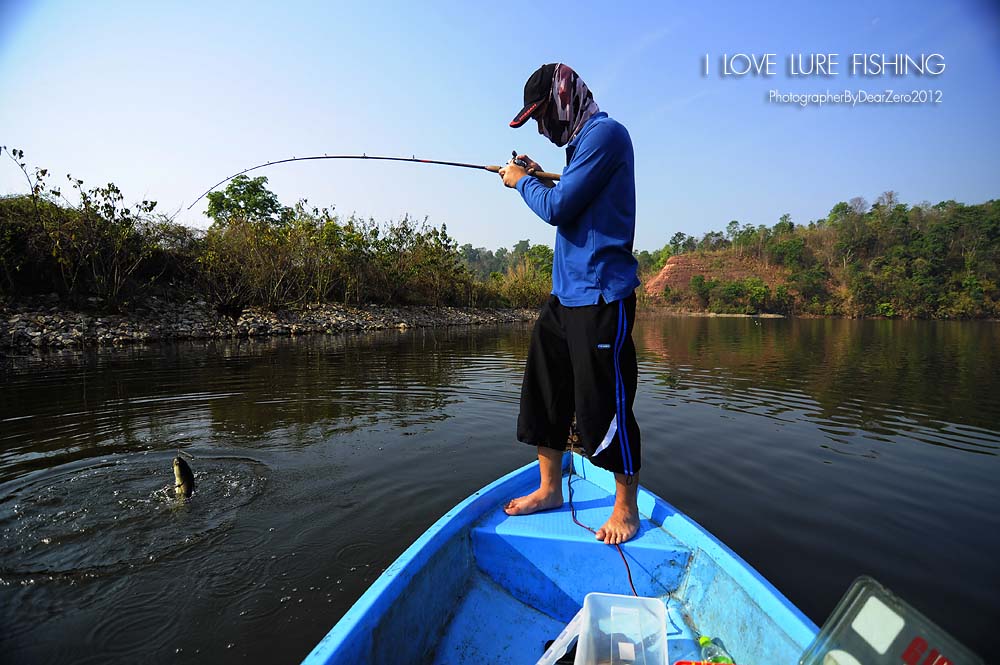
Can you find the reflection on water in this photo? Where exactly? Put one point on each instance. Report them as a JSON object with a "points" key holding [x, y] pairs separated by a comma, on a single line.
{"points": [[823, 449], [817, 449], [866, 379]]}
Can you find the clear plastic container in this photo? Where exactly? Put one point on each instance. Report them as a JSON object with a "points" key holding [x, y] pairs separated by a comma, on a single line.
{"points": [[621, 630]]}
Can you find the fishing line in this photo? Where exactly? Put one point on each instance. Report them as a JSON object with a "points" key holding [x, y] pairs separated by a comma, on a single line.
{"points": [[572, 510], [483, 167]]}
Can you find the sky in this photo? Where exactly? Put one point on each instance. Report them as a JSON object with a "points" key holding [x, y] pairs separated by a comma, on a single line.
{"points": [[165, 99]]}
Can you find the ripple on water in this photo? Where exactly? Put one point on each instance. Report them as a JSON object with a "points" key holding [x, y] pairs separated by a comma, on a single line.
{"points": [[139, 619], [121, 510], [233, 564]]}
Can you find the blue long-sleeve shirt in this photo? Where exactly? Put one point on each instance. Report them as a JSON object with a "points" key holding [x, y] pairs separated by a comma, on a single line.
{"points": [[593, 210]]}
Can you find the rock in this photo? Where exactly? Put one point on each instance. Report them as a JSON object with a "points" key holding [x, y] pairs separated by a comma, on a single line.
{"points": [[157, 319]]}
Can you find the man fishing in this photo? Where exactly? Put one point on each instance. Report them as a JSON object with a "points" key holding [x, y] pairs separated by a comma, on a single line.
{"points": [[582, 358]]}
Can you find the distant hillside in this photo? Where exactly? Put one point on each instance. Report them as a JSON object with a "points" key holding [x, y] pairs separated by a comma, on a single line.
{"points": [[724, 266], [887, 260], [723, 282]]}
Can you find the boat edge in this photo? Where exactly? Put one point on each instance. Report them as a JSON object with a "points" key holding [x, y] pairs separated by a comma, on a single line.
{"points": [[390, 584]]}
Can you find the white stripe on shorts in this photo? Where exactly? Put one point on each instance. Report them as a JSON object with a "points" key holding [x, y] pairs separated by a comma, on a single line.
{"points": [[609, 437]]}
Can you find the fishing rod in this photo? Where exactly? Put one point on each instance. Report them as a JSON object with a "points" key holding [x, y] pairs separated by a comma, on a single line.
{"points": [[490, 168]]}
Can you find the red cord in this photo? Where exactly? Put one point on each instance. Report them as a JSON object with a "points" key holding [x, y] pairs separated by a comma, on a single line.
{"points": [[572, 510]]}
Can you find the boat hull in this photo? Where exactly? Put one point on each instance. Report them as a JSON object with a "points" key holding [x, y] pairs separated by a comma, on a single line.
{"points": [[480, 586]]}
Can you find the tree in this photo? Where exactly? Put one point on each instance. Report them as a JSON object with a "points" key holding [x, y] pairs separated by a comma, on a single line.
{"points": [[652, 262], [520, 249], [859, 205], [541, 257], [702, 288], [677, 242], [248, 200], [713, 240], [784, 225], [732, 230], [838, 212]]}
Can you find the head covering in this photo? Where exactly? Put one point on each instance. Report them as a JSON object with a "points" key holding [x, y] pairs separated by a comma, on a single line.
{"points": [[571, 102], [536, 90]]}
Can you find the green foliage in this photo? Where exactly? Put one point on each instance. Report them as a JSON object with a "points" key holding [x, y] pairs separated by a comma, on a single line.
{"points": [[249, 200], [702, 288], [482, 262], [105, 241], [757, 294], [97, 248], [783, 301], [525, 285], [811, 282], [712, 241], [650, 263], [540, 257], [257, 252], [790, 252], [885, 309], [784, 225], [315, 257], [744, 296], [940, 261], [681, 243], [886, 259]]}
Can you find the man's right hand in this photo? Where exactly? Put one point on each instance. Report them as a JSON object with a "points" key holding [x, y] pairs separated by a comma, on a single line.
{"points": [[530, 164], [532, 167]]}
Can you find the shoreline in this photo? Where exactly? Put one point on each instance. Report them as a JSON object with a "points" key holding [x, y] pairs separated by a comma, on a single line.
{"points": [[52, 326], [662, 310], [47, 324], [655, 310]]}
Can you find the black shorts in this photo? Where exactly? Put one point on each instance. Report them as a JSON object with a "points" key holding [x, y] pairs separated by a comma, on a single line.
{"points": [[582, 360]]}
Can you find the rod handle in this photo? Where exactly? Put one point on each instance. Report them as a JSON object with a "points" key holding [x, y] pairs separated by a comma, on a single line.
{"points": [[545, 175]]}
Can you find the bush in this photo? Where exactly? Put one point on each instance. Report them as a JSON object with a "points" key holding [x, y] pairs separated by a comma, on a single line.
{"points": [[758, 294], [524, 285], [885, 309], [782, 302], [702, 288], [98, 248], [746, 296]]}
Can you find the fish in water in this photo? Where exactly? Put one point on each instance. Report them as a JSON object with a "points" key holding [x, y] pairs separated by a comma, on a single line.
{"points": [[183, 478]]}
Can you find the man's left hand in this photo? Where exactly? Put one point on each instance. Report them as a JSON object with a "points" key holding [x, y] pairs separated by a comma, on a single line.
{"points": [[511, 174]]}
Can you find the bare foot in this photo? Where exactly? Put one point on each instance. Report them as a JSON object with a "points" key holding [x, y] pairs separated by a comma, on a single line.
{"points": [[534, 502], [620, 527]]}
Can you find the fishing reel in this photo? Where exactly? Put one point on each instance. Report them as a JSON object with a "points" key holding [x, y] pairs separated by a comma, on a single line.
{"points": [[546, 179]]}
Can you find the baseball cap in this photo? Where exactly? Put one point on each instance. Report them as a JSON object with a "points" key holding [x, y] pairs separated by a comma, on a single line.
{"points": [[536, 91]]}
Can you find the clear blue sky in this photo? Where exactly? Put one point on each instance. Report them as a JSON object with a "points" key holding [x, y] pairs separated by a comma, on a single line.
{"points": [[167, 98]]}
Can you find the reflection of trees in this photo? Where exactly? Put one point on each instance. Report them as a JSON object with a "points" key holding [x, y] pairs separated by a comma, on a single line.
{"points": [[880, 377], [124, 400], [66, 404], [512, 347], [334, 380], [873, 375]]}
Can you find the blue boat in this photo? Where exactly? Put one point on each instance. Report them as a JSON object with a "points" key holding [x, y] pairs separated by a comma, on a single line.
{"points": [[481, 587]]}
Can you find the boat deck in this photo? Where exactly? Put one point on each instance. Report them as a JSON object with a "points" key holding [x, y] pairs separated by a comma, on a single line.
{"points": [[502, 623], [481, 587], [489, 620]]}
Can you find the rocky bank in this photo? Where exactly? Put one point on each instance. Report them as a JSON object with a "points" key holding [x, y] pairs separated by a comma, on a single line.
{"points": [[49, 325]]}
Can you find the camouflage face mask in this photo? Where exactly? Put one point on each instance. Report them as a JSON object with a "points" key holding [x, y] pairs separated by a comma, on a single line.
{"points": [[570, 106]]}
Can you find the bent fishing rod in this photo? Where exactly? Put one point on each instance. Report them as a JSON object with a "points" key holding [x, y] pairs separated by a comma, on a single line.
{"points": [[491, 168]]}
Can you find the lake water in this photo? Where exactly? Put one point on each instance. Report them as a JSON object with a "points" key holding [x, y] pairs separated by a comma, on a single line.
{"points": [[818, 450]]}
